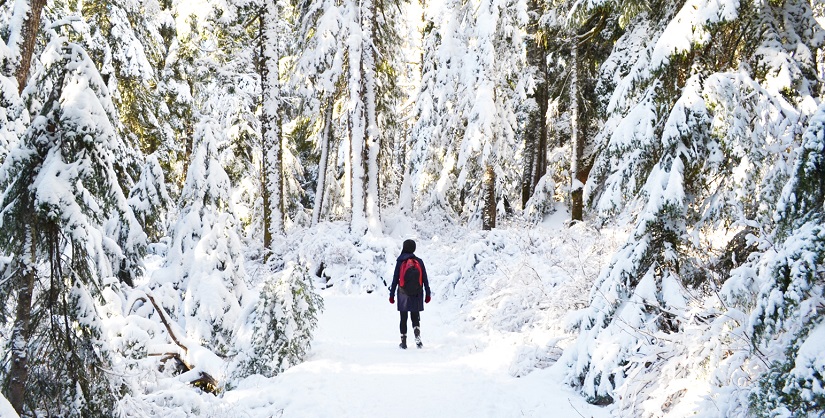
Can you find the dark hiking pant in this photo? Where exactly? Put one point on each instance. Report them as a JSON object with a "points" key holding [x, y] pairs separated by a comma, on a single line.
{"points": [[416, 320]]}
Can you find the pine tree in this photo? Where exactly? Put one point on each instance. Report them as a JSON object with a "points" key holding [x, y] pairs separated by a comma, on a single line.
{"points": [[685, 114], [203, 280], [787, 313], [150, 200], [479, 90], [63, 220], [282, 323]]}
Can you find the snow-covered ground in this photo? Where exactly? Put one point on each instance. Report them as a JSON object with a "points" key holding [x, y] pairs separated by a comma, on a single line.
{"points": [[356, 369], [493, 333]]}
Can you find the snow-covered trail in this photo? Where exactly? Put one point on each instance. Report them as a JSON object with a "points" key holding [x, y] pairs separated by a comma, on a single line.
{"points": [[355, 369]]}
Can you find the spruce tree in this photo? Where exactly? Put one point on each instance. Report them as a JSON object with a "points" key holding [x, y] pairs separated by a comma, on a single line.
{"points": [[282, 323], [203, 280], [693, 108], [69, 234], [468, 108], [787, 316]]}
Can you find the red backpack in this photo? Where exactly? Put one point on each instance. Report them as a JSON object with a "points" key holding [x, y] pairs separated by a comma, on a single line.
{"points": [[411, 279]]}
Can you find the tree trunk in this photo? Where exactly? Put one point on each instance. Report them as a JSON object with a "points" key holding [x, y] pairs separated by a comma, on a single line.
{"points": [[358, 132], [371, 142], [19, 369], [272, 184], [576, 128], [489, 189], [31, 27], [535, 139], [326, 137], [529, 163]]}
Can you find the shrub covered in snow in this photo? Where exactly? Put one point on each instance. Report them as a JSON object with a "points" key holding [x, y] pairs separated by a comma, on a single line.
{"points": [[278, 332]]}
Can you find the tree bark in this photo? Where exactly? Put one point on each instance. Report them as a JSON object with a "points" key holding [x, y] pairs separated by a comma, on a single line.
{"points": [[19, 370], [489, 211], [576, 127], [358, 131], [204, 381], [271, 182], [535, 139], [326, 137], [31, 27], [371, 143]]}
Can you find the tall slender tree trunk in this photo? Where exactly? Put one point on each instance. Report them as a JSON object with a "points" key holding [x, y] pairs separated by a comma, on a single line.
{"points": [[372, 144], [488, 217], [358, 127], [535, 139], [321, 186], [19, 368], [188, 140], [272, 183], [31, 27], [576, 128]]}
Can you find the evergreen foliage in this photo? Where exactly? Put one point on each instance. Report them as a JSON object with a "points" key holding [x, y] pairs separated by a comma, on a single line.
{"points": [[241, 128], [694, 144], [282, 324], [62, 180], [467, 112], [150, 200], [789, 287], [203, 279]]}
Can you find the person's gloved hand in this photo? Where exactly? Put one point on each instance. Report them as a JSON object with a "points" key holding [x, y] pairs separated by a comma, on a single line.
{"points": [[427, 299], [392, 299]]}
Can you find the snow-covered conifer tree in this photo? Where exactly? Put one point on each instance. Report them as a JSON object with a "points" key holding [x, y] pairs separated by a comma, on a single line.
{"points": [[69, 232], [272, 143], [468, 102], [12, 112], [534, 131], [177, 79], [317, 69], [278, 333], [783, 289], [24, 30], [203, 280], [362, 161], [150, 200], [697, 142], [438, 129], [125, 41], [344, 77]]}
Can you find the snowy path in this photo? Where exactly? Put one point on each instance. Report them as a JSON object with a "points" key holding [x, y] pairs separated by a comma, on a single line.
{"points": [[356, 369]]}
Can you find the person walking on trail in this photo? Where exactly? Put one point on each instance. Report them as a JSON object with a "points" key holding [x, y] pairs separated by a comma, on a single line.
{"points": [[410, 278]]}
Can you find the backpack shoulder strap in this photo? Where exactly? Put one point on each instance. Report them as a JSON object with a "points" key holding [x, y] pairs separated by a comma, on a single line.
{"points": [[404, 265]]}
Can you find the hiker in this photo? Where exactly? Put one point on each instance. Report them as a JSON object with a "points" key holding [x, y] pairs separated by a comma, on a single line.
{"points": [[410, 277]]}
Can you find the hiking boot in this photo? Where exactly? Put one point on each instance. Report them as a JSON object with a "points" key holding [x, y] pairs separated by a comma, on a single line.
{"points": [[403, 344], [417, 333]]}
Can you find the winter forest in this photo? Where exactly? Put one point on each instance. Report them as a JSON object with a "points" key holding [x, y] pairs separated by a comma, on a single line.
{"points": [[631, 191]]}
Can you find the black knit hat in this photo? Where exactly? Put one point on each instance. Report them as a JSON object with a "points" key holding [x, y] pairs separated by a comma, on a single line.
{"points": [[408, 247]]}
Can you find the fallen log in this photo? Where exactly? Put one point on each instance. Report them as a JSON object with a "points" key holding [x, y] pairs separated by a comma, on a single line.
{"points": [[204, 381]]}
